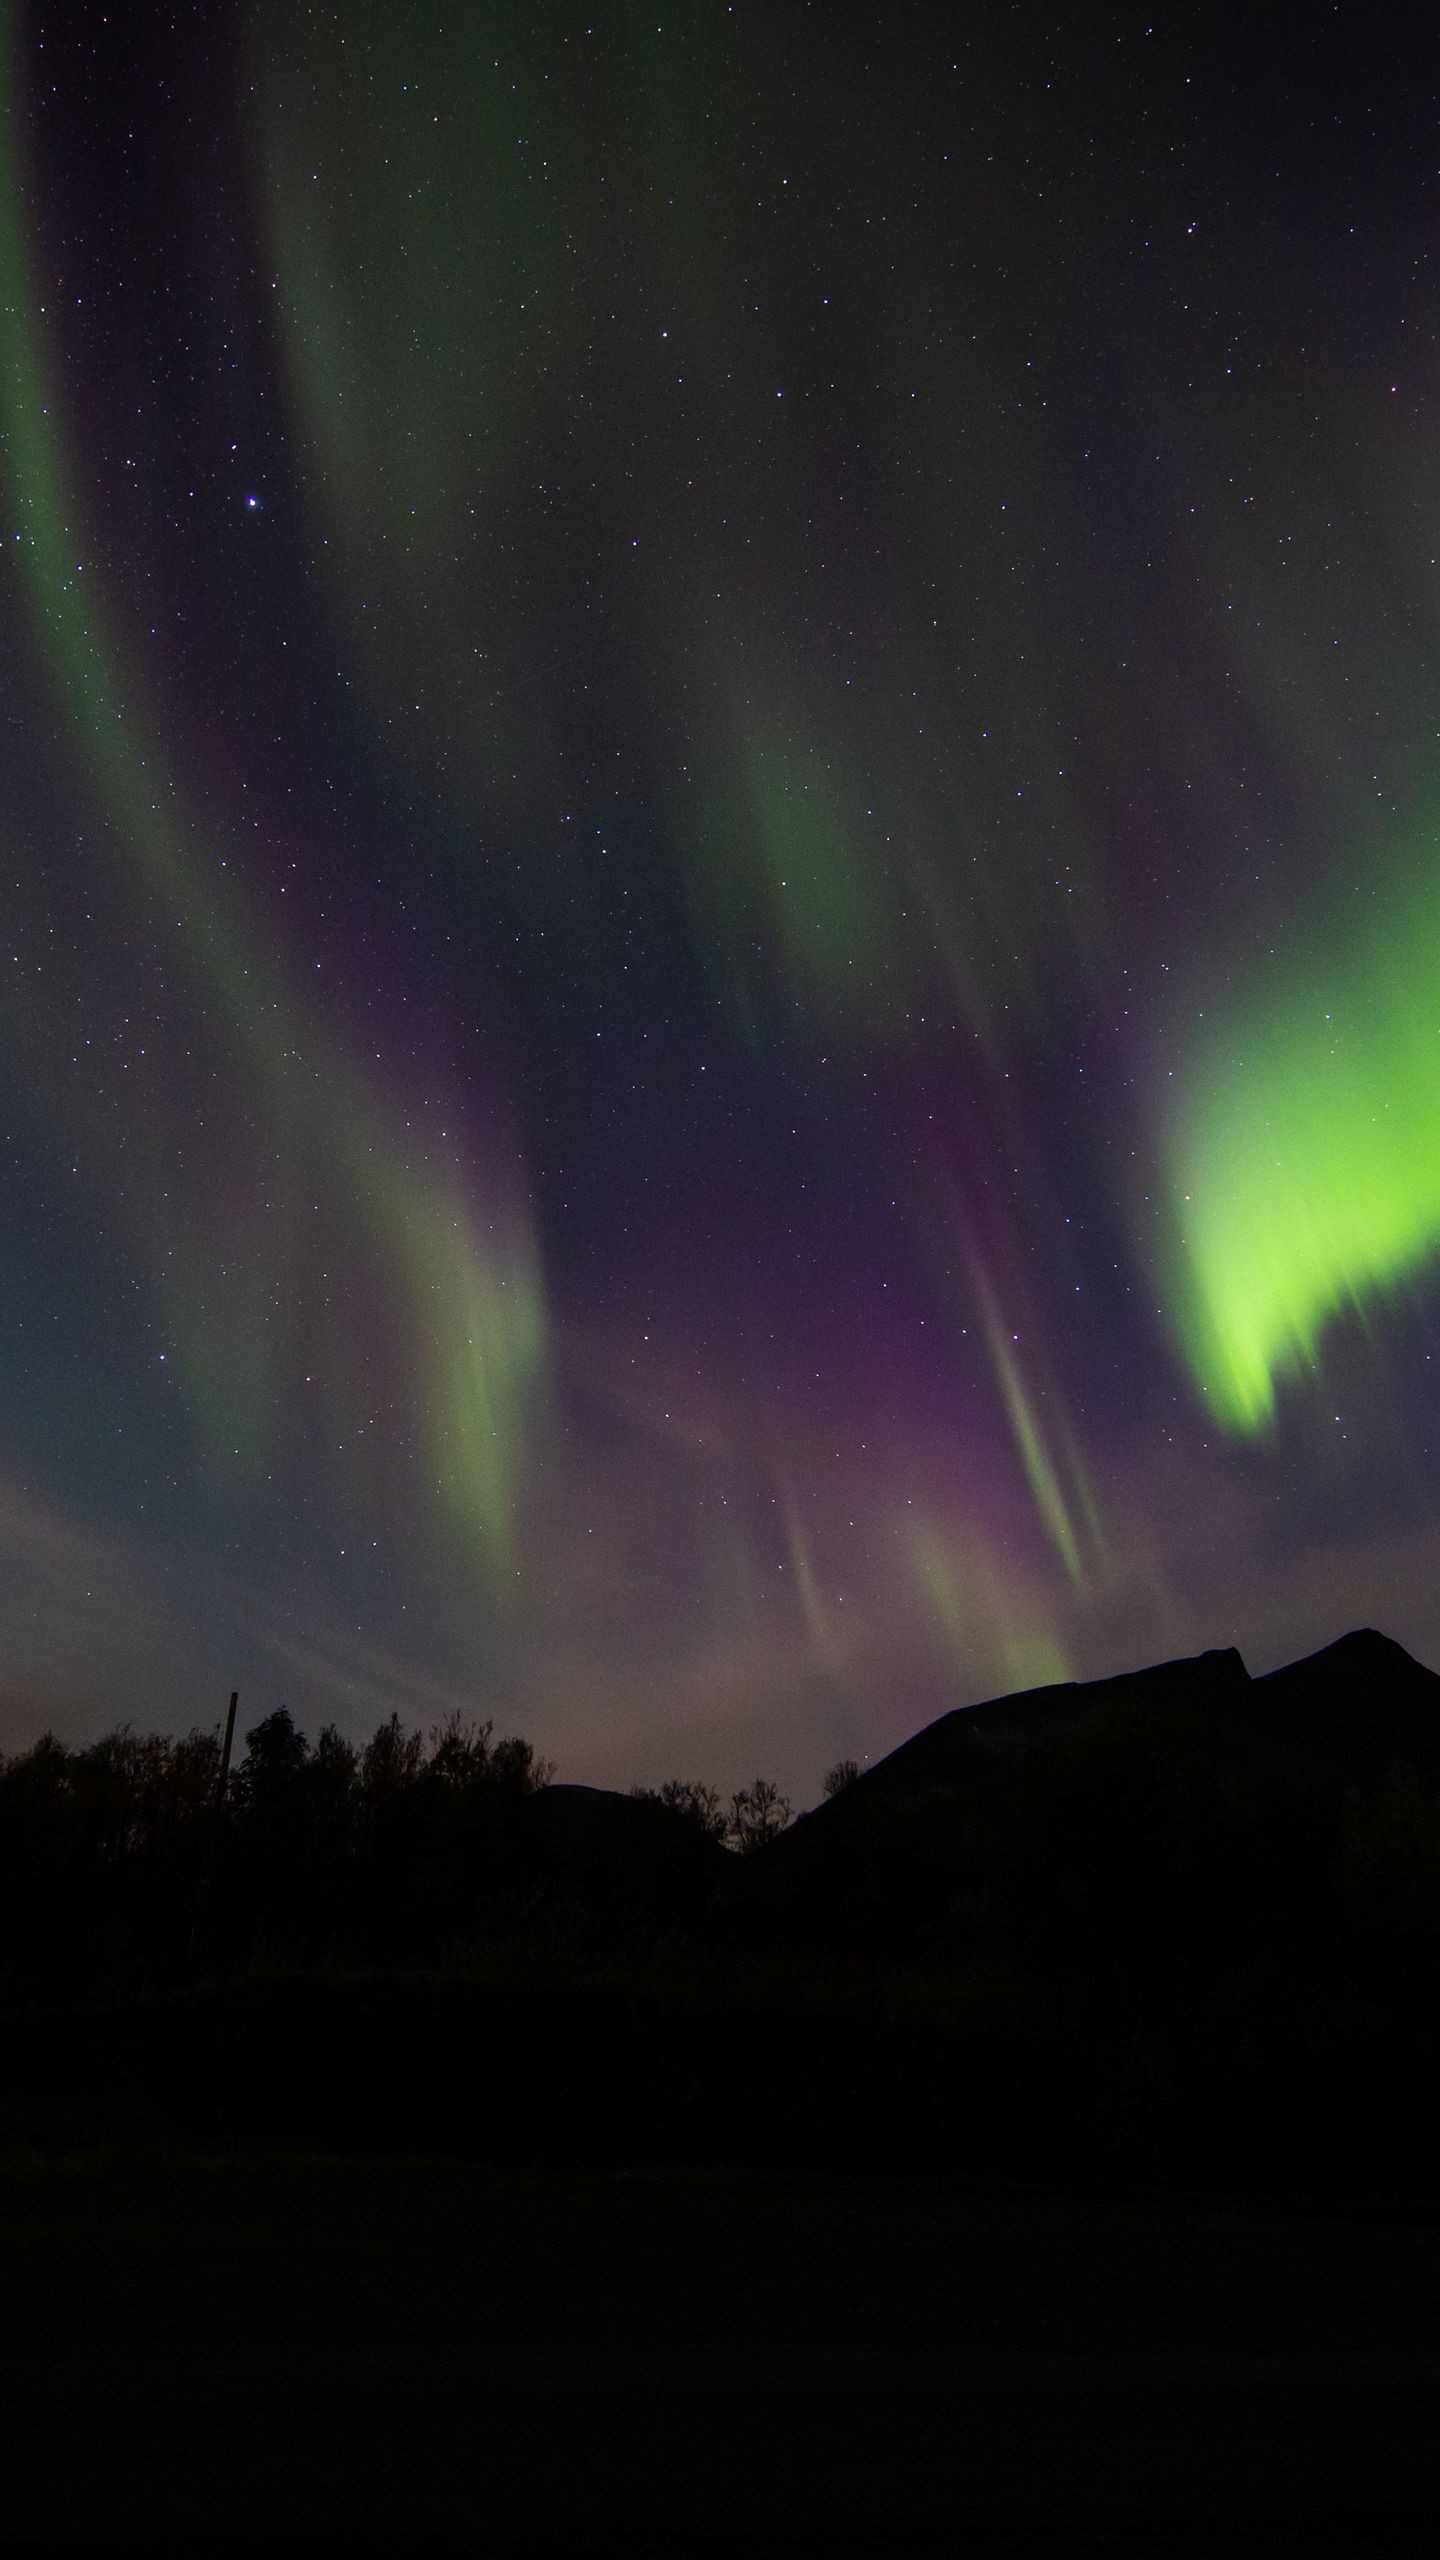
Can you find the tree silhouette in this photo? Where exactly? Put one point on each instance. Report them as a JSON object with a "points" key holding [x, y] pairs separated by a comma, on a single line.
{"points": [[694, 1801], [390, 1762], [758, 1813]]}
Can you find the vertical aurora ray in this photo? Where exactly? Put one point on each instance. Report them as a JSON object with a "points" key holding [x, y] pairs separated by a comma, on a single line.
{"points": [[807, 1575], [476, 1334], [411, 327], [787, 894], [979, 1610], [1062, 1498], [1302, 1151], [1040, 1472], [466, 1295]]}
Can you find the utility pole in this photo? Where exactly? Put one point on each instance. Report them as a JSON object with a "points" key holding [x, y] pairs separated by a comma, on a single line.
{"points": [[229, 1740], [205, 1881]]}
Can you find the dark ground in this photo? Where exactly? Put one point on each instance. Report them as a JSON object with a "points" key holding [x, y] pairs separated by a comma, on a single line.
{"points": [[201, 2351]]}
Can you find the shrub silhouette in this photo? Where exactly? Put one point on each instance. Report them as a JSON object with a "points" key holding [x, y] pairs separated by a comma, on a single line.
{"points": [[694, 1801]]}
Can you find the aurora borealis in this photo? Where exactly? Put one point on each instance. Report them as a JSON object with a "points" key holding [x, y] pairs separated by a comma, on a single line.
{"points": [[722, 884]]}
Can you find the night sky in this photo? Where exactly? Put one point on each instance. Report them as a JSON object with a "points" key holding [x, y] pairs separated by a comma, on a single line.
{"points": [[721, 756]]}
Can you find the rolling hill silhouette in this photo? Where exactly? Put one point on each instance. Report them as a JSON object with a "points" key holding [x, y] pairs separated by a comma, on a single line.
{"points": [[624, 1862]]}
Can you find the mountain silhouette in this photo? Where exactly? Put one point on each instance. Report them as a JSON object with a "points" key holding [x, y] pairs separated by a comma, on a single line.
{"points": [[1058, 1779], [883, 1865], [950, 1749], [1361, 1702]]}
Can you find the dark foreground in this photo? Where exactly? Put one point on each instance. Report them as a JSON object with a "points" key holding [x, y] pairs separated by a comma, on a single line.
{"points": [[204, 2351]]}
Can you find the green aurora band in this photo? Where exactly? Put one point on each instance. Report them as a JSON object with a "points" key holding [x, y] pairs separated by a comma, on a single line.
{"points": [[1303, 1155], [466, 1285]]}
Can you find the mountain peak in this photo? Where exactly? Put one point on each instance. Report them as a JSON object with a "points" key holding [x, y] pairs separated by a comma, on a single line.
{"points": [[1362, 1700]]}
